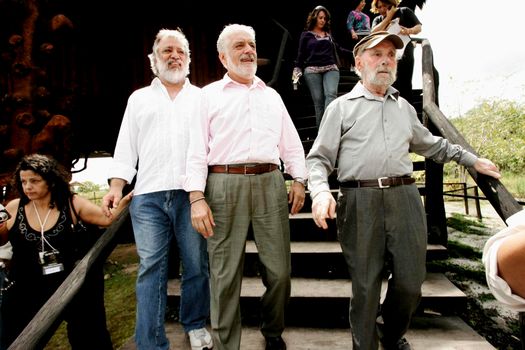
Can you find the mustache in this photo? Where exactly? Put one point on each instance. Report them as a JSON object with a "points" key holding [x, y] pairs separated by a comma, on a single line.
{"points": [[248, 56]]}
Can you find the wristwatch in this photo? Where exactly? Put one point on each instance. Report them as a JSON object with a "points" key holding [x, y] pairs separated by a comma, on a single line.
{"points": [[301, 181]]}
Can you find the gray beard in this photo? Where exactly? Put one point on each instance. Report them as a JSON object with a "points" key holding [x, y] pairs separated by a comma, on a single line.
{"points": [[374, 78]]}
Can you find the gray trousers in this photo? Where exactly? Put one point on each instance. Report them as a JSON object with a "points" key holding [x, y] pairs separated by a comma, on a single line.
{"points": [[378, 227], [236, 202]]}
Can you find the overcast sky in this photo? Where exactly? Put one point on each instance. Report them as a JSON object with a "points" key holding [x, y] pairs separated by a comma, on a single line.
{"points": [[478, 50]]}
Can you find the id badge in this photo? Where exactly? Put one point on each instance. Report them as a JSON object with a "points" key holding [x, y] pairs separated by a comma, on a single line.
{"points": [[52, 268]]}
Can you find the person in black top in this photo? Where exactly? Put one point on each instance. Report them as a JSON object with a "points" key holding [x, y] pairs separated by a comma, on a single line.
{"points": [[40, 230], [409, 24]]}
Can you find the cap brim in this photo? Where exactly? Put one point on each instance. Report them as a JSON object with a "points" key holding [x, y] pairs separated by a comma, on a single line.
{"points": [[374, 39]]}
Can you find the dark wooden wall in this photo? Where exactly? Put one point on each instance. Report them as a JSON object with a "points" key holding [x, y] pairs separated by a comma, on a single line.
{"points": [[101, 57]]}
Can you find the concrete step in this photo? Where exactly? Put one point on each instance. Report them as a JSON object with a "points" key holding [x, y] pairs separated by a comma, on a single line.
{"points": [[328, 299], [319, 259], [427, 332], [436, 285], [333, 247]]}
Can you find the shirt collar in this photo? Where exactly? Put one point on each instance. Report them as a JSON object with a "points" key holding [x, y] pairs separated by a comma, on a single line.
{"points": [[257, 82], [360, 90], [158, 84]]}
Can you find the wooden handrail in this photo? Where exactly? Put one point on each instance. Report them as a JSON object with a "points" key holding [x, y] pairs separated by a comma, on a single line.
{"points": [[500, 198], [52, 309], [280, 55]]}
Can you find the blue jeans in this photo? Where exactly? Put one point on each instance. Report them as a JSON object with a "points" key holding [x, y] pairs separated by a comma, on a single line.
{"points": [[323, 88], [157, 218]]}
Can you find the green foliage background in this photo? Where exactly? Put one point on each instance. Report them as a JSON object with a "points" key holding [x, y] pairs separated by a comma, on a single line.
{"points": [[496, 130]]}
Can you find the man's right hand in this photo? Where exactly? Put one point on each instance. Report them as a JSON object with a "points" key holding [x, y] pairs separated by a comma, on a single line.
{"points": [[323, 207], [201, 216], [113, 197], [111, 200]]}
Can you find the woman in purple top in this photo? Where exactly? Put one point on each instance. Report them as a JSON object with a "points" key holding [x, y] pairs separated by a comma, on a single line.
{"points": [[317, 60], [357, 23]]}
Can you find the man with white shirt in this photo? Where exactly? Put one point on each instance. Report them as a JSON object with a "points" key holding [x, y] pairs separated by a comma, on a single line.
{"points": [[245, 133], [155, 134]]}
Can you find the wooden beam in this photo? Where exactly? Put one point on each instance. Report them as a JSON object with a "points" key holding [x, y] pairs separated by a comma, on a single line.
{"points": [[500, 198]]}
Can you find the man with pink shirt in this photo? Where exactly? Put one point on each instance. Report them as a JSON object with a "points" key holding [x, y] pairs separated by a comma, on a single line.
{"points": [[234, 182]]}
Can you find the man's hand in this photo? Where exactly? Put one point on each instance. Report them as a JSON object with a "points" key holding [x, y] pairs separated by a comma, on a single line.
{"points": [[112, 198], [201, 216], [485, 166], [323, 207], [296, 197]]}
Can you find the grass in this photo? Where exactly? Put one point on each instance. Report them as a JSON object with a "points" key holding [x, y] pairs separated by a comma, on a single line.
{"points": [[119, 294]]}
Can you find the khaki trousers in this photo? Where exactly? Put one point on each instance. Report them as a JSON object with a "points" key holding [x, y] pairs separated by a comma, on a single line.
{"points": [[236, 202]]}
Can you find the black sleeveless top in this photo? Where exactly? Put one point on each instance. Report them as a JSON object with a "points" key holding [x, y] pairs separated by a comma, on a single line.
{"points": [[26, 269]]}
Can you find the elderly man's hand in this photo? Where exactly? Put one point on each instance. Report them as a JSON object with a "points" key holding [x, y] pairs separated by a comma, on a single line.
{"points": [[296, 197], [485, 166], [202, 218], [323, 207]]}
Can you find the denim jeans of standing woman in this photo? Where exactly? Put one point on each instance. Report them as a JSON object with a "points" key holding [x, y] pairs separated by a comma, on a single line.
{"points": [[323, 88]]}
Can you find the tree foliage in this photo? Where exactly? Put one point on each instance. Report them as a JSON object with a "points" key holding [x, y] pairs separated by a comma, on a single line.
{"points": [[496, 130], [88, 187]]}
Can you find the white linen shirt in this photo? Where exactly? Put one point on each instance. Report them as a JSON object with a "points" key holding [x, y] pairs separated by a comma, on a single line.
{"points": [[155, 134]]}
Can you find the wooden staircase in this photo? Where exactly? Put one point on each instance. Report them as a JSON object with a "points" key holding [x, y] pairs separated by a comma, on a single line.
{"points": [[317, 315]]}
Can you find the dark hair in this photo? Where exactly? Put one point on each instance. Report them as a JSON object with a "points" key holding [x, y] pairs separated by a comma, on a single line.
{"points": [[53, 173], [311, 20], [374, 9]]}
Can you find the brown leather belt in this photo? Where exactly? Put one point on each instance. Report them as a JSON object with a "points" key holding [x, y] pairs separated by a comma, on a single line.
{"points": [[244, 169], [382, 182]]}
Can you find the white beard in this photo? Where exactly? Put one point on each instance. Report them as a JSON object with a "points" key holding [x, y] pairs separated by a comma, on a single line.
{"points": [[173, 76], [244, 70]]}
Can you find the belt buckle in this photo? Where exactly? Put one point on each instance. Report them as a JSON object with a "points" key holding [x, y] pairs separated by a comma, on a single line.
{"points": [[246, 167], [380, 182]]}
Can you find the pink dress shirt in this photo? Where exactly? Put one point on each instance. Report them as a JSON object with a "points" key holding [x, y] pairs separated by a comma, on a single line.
{"points": [[241, 124]]}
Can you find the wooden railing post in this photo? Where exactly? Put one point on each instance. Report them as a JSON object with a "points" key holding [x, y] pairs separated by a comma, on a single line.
{"points": [[465, 196], [500, 198], [478, 208]]}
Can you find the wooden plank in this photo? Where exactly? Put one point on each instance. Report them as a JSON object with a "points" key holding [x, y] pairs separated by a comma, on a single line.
{"points": [[436, 285], [326, 247]]}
